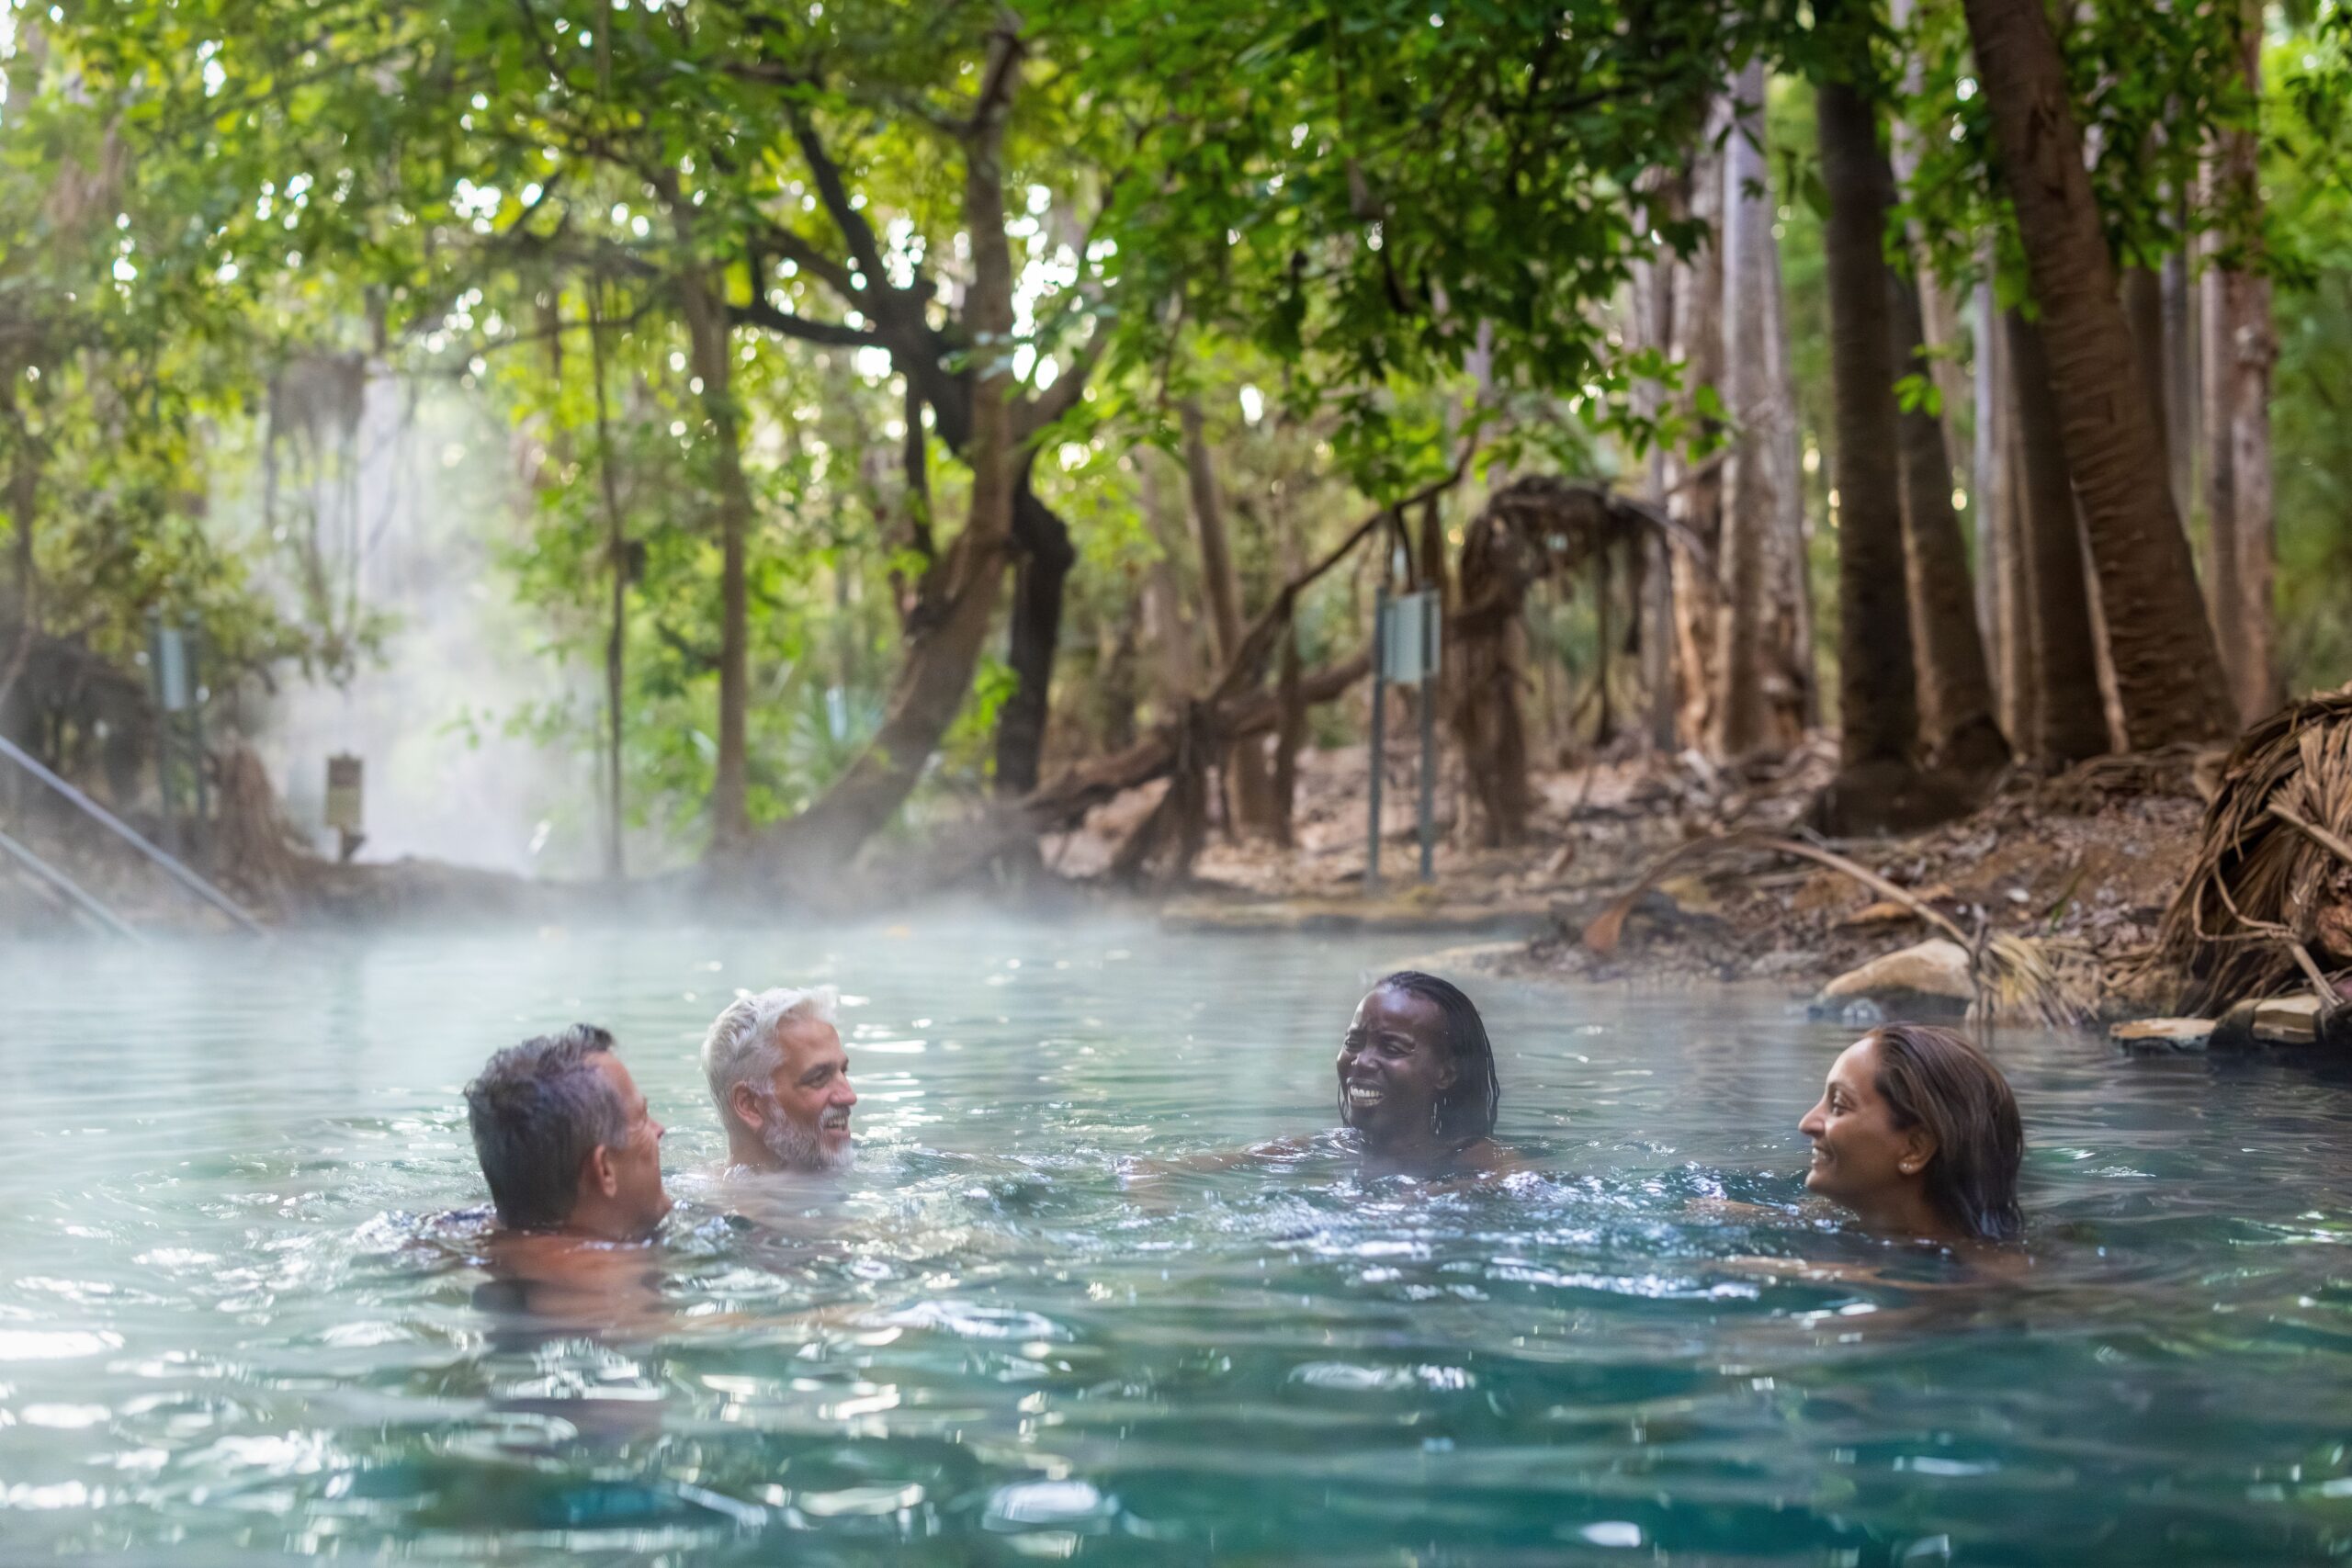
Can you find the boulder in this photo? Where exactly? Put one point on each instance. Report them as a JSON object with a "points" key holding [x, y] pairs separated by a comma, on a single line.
{"points": [[1930, 979], [2296, 1020], [2151, 1036]]}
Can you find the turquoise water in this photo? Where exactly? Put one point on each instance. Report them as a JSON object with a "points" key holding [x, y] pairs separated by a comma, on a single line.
{"points": [[236, 1320]]}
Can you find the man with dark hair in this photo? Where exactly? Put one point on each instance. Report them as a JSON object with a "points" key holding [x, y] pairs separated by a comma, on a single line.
{"points": [[566, 1142]]}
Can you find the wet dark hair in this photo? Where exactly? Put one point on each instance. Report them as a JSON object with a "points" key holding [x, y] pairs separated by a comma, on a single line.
{"points": [[537, 1110], [1931, 1078], [1466, 1113]]}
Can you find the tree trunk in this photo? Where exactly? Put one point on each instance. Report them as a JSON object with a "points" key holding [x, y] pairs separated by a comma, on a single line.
{"points": [[705, 307], [2017, 670], [1991, 499], [2168, 678], [961, 590], [1747, 716], [616, 561], [2240, 350], [1790, 632], [1253, 791], [1879, 722], [1698, 496], [1163, 596], [1040, 542], [2143, 308], [1653, 313], [2070, 717], [1955, 693], [2182, 385]]}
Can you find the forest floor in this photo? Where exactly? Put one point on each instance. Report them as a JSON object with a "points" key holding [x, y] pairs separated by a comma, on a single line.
{"points": [[2085, 860]]}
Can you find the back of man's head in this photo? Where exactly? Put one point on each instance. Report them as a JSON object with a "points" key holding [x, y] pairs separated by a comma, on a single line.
{"points": [[538, 1111]]}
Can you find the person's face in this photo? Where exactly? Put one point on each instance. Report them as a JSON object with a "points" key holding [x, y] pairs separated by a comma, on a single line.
{"points": [[1394, 1065], [811, 1095], [630, 1174], [1860, 1156]]}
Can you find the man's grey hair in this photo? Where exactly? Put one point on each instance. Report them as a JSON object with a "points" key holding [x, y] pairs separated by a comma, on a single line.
{"points": [[741, 1045], [538, 1110]]}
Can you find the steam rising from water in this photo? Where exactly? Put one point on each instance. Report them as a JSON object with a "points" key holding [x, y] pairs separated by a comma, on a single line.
{"points": [[415, 490]]}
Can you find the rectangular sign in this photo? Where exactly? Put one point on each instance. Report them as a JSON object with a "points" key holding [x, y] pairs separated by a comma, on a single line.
{"points": [[1412, 636]]}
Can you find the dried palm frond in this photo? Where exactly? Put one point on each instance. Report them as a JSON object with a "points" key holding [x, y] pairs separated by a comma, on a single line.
{"points": [[2015, 976], [2266, 877]]}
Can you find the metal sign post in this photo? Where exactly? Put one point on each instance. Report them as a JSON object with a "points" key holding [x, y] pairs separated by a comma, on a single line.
{"points": [[1379, 730], [1405, 642]]}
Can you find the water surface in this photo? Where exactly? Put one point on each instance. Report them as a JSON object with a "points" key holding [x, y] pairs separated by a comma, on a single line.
{"points": [[235, 1321]]}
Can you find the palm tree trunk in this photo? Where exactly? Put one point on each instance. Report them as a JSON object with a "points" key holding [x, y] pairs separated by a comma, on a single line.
{"points": [[2241, 349], [1879, 718], [2168, 678], [2069, 713], [1955, 693]]}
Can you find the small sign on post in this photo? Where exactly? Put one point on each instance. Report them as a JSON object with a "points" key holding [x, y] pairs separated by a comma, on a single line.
{"points": [[1409, 643], [345, 804]]}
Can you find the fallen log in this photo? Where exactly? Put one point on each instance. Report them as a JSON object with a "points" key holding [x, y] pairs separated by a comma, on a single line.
{"points": [[1062, 801]]}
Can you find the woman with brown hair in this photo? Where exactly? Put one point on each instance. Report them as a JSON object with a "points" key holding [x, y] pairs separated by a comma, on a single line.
{"points": [[1918, 1135]]}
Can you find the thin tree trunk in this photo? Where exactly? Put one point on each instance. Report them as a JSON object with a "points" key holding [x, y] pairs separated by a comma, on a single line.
{"points": [[1698, 497], [1990, 500], [1163, 601], [1252, 790], [2167, 676], [1742, 721], [2069, 713], [1041, 540], [962, 590], [1955, 693], [1795, 692], [705, 308], [2241, 349], [1879, 715], [1653, 299], [617, 632]]}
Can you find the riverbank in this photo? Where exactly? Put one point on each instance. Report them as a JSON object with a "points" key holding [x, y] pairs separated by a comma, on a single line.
{"points": [[2083, 863]]}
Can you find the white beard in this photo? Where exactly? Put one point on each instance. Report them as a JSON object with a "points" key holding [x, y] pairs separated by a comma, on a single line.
{"points": [[797, 1148]]}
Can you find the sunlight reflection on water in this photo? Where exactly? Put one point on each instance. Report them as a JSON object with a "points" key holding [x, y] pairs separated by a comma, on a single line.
{"points": [[239, 1314]]}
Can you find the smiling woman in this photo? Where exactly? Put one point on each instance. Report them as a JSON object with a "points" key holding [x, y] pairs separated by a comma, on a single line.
{"points": [[1417, 1079], [1918, 1133]]}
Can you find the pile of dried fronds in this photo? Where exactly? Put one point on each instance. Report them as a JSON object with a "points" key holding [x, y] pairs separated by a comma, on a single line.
{"points": [[2267, 906]]}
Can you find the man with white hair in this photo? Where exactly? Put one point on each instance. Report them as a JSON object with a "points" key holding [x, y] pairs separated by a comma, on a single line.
{"points": [[781, 1078]]}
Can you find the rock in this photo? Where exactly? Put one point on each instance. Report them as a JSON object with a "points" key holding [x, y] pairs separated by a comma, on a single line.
{"points": [[1929, 980], [2287, 1020], [2149, 1035], [2280, 1020]]}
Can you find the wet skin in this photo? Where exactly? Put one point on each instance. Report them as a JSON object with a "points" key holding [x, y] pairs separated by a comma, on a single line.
{"points": [[592, 1271], [1393, 1066], [810, 1088], [1861, 1159]]}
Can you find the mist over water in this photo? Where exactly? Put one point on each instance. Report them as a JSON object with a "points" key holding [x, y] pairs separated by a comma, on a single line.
{"points": [[413, 499]]}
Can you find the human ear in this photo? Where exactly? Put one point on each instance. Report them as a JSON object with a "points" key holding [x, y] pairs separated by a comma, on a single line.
{"points": [[1918, 1148], [742, 1100], [602, 1171]]}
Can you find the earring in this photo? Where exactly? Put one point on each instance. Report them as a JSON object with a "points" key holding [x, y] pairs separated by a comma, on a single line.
{"points": [[1437, 1118]]}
